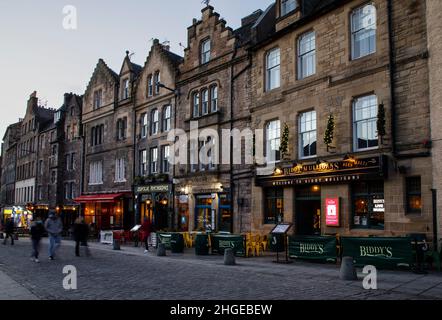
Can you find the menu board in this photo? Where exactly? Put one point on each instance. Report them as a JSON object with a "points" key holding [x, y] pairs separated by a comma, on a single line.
{"points": [[332, 212], [282, 228]]}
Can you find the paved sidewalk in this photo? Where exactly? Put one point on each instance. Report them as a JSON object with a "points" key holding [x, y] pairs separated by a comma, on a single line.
{"points": [[12, 290]]}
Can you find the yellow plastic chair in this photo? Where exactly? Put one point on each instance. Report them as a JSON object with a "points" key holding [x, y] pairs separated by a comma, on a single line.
{"points": [[258, 245], [264, 243], [250, 248]]}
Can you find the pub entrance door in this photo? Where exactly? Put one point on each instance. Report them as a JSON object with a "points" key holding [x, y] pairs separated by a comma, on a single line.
{"points": [[308, 211]]}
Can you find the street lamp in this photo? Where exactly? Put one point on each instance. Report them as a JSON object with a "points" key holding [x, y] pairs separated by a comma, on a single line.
{"points": [[162, 85]]}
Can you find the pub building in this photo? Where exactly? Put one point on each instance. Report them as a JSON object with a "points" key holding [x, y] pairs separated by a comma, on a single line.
{"points": [[154, 202], [347, 140]]}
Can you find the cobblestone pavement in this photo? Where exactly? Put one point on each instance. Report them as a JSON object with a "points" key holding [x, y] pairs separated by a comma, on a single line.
{"points": [[129, 274]]}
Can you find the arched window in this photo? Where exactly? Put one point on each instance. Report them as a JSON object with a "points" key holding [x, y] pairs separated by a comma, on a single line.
{"points": [[196, 104], [205, 101], [214, 99]]}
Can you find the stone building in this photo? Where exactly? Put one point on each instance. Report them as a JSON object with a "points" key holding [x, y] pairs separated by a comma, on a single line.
{"points": [[107, 117], [8, 169], [36, 120], [213, 82], [343, 84], [155, 110]]}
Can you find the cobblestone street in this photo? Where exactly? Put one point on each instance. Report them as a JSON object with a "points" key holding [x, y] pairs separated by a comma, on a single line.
{"points": [[129, 274]]}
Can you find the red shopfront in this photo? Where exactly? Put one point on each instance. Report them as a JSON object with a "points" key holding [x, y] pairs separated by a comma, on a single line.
{"points": [[105, 211]]}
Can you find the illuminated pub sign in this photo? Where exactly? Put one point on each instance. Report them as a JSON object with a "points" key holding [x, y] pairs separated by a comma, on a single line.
{"points": [[332, 212], [343, 171], [154, 188]]}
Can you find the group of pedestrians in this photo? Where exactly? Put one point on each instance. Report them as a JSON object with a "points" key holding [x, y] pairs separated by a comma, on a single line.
{"points": [[54, 227]]}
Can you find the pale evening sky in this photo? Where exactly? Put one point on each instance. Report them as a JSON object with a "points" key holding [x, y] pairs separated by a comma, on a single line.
{"points": [[37, 53]]}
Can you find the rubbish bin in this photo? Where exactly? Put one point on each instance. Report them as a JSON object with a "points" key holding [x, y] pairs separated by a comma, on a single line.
{"points": [[202, 245], [277, 242], [177, 243]]}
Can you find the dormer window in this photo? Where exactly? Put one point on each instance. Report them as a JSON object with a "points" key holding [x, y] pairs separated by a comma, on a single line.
{"points": [[125, 89], [205, 51], [288, 6]]}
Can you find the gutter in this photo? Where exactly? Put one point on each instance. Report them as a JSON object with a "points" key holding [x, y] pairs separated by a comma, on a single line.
{"points": [[392, 73]]}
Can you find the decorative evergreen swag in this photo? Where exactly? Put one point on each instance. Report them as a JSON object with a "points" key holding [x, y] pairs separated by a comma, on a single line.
{"points": [[329, 131], [284, 146], [381, 122]]}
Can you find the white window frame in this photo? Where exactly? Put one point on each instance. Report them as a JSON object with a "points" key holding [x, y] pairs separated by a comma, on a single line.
{"points": [[96, 173], [150, 85], [165, 157], [144, 125], [157, 79], [167, 116], [120, 170], [205, 102], [143, 162], [307, 126], [214, 98], [305, 56], [273, 67], [153, 160], [196, 104], [273, 136], [206, 48], [371, 120], [155, 122], [288, 6], [364, 28], [125, 94]]}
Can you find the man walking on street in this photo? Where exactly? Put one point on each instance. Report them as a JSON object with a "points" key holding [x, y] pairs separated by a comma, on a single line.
{"points": [[80, 233], [9, 230], [37, 230], [54, 227], [146, 227]]}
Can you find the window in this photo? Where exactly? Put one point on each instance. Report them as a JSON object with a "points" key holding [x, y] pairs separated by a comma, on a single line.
{"points": [[363, 31], [273, 69], [205, 51], [154, 122], [53, 176], [365, 113], [274, 206], [39, 193], [205, 101], [121, 129], [96, 173], [307, 55], [125, 94], [368, 205], [72, 111], [68, 133], [144, 125], [149, 86], [273, 135], [98, 99], [97, 133], [307, 134], [414, 195], [157, 82], [73, 193], [287, 6], [167, 110], [41, 166], [54, 150], [67, 192], [214, 99], [68, 160], [120, 170], [143, 162], [207, 160], [165, 156], [196, 104], [193, 152], [154, 160], [72, 162]]}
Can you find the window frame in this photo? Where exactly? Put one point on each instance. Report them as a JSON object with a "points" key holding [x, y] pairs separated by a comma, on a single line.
{"points": [[153, 165], [165, 164], [285, 13], [371, 120], [267, 146], [409, 194], [167, 118], [205, 55], [301, 74], [301, 133], [196, 96], [269, 70], [154, 122], [277, 194], [353, 32], [213, 101]]}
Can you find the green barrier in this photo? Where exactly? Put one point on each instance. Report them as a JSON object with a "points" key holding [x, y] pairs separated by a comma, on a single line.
{"points": [[313, 248], [379, 252], [220, 242], [202, 245], [165, 238]]}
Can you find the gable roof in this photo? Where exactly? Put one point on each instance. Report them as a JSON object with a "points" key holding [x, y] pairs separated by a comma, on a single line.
{"points": [[103, 67]]}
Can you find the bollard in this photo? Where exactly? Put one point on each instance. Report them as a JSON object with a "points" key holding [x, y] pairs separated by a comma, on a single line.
{"points": [[348, 271], [229, 257], [161, 251], [117, 244]]}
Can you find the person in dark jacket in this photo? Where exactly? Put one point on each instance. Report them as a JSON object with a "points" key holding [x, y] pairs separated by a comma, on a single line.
{"points": [[9, 230], [37, 231], [80, 233], [146, 227]]}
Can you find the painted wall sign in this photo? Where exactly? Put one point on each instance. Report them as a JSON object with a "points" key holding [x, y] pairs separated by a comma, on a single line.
{"points": [[332, 212], [153, 188]]}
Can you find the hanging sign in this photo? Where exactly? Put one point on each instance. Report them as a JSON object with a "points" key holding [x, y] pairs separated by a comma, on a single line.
{"points": [[332, 212]]}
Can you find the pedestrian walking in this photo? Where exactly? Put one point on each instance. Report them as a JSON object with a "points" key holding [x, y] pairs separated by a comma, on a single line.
{"points": [[54, 227], [80, 233], [37, 230], [146, 227], [9, 230]]}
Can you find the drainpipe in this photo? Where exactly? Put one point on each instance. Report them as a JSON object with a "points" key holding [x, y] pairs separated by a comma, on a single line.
{"points": [[435, 229], [134, 137], [392, 74], [232, 78]]}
